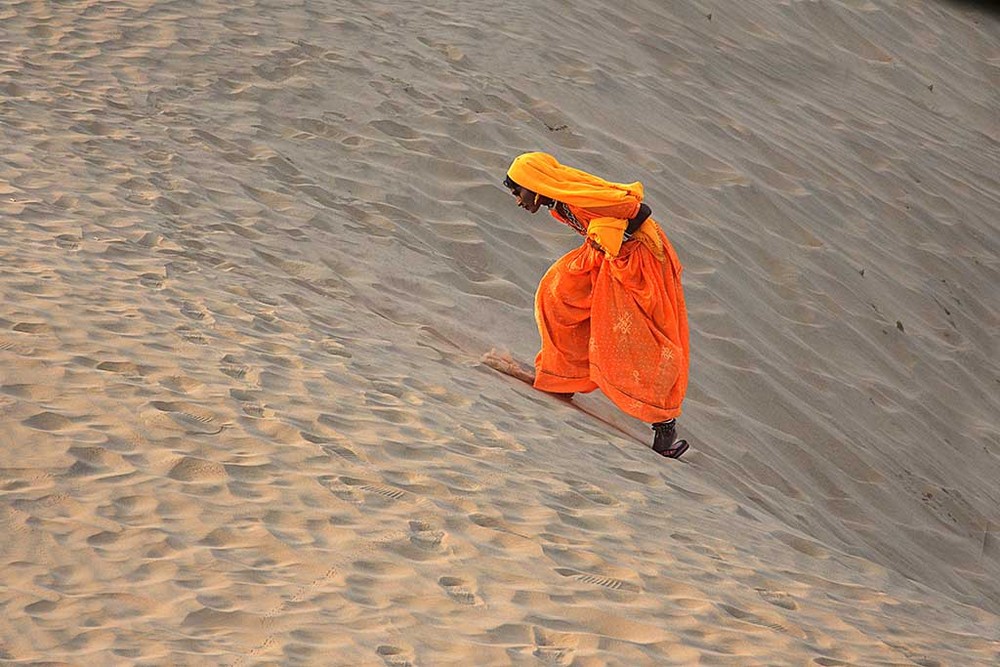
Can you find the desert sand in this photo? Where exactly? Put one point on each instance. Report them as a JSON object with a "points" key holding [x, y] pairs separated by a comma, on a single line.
{"points": [[253, 252]]}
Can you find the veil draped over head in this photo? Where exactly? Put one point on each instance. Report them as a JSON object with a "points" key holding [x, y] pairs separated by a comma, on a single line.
{"points": [[542, 173]]}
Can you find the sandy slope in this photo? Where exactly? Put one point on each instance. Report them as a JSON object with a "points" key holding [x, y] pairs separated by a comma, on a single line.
{"points": [[253, 251]]}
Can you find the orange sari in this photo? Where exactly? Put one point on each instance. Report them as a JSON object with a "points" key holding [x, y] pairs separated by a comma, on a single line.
{"points": [[611, 313]]}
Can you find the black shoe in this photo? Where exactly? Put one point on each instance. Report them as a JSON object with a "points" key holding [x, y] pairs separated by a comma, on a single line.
{"points": [[665, 441]]}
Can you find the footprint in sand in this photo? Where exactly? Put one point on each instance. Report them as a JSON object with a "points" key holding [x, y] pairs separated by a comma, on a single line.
{"points": [[68, 242], [192, 336], [778, 598], [388, 492], [338, 489], [335, 348], [425, 536], [193, 311], [549, 651], [264, 298], [190, 418], [749, 617], [151, 280], [127, 369], [246, 396], [31, 327], [394, 656], [344, 452], [255, 410], [232, 367], [598, 580], [459, 590], [334, 448]]}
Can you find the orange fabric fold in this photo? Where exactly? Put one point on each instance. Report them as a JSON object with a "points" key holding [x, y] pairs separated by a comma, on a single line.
{"points": [[608, 233], [614, 321], [542, 173]]}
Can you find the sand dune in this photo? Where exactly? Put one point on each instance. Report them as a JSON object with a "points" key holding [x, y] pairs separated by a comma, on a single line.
{"points": [[254, 251]]}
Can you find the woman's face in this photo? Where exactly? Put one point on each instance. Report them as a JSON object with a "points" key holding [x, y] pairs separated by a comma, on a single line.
{"points": [[528, 200]]}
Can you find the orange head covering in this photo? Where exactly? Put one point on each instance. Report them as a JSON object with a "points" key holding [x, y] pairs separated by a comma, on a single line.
{"points": [[541, 173]]}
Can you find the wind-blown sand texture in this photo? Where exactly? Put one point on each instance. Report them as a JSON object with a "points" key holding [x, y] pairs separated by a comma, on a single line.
{"points": [[253, 251]]}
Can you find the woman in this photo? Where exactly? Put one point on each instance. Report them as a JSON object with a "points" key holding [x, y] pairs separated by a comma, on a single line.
{"points": [[611, 313]]}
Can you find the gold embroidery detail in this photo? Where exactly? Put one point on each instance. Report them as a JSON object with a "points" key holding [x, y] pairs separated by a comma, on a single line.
{"points": [[624, 324]]}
